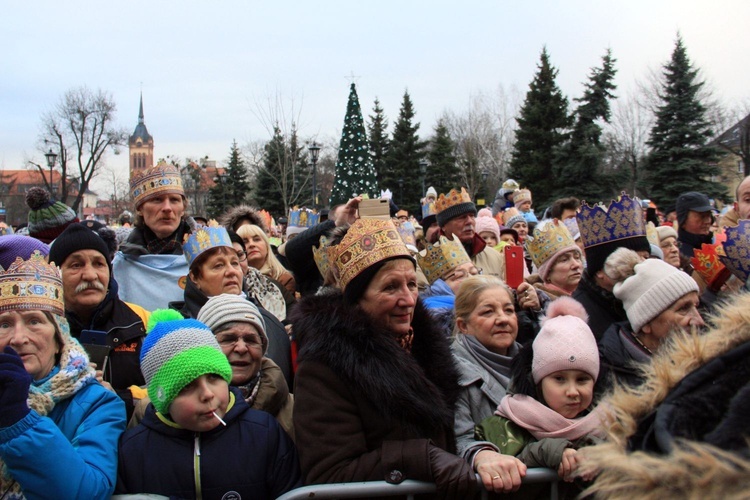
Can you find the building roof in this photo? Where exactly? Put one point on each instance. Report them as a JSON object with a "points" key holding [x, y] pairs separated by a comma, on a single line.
{"points": [[15, 179], [141, 132], [732, 137]]}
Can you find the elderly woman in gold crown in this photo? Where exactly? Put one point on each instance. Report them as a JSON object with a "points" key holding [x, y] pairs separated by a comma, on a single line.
{"points": [[59, 427], [557, 258], [376, 384], [149, 266]]}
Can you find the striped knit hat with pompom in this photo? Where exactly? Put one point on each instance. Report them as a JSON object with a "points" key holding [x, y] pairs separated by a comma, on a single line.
{"points": [[47, 218], [175, 352]]}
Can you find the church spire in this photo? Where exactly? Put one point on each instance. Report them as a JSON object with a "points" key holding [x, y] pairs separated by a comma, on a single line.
{"points": [[140, 112]]}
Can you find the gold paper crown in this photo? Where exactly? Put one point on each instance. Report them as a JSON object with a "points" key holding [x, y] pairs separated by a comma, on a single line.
{"points": [[737, 249], [549, 239], [510, 214], [623, 219], [320, 254], [437, 260], [406, 230], [161, 179], [367, 242], [31, 284], [453, 198], [706, 262], [205, 237], [521, 195], [651, 234]]}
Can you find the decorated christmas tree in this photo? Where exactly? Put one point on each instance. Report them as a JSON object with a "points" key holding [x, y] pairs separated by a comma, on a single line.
{"points": [[355, 173]]}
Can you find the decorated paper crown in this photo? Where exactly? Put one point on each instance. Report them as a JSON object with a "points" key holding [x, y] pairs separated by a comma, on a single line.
{"points": [[31, 284], [320, 254], [5, 229], [161, 179], [406, 231], [549, 239], [204, 238], [737, 250], [706, 262], [267, 219], [367, 242], [651, 235], [428, 208], [437, 260], [512, 216], [386, 194], [302, 217], [452, 199], [521, 195], [623, 219]]}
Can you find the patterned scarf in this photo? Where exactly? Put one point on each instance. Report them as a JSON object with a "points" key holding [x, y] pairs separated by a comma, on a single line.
{"points": [[406, 340], [70, 375], [167, 245]]}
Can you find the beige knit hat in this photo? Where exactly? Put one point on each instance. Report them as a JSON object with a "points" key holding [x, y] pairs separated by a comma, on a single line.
{"points": [[227, 308]]}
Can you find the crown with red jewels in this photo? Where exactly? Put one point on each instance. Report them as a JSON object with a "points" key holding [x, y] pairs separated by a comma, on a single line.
{"points": [[706, 261], [623, 219], [737, 249], [31, 284]]}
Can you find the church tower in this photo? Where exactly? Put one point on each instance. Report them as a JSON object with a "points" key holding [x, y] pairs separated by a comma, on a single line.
{"points": [[141, 146]]}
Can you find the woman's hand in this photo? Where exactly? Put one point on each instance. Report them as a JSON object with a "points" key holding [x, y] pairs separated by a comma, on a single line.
{"points": [[568, 465], [348, 213], [99, 374], [527, 297], [14, 388], [500, 473]]}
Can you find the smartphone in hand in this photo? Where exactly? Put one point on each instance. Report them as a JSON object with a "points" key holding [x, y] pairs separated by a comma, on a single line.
{"points": [[514, 263]]}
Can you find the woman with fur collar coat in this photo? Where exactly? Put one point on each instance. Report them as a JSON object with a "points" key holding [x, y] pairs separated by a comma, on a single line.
{"points": [[684, 432], [375, 390]]}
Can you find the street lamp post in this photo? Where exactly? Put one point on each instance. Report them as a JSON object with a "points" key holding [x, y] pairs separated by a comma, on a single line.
{"points": [[51, 160], [401, 191], [485, 174], [314, 152], [423, 164]]}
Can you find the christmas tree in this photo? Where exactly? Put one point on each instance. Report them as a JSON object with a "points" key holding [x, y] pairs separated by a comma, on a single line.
{"points": [[355, 173]]}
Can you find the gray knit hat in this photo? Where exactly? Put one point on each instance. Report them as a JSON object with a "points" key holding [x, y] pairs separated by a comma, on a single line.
{"points": [[227, 308], [653, 288]]}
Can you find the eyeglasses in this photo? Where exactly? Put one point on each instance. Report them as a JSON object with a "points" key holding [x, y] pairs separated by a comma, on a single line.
{"points": [[242, 255], [252, 341], [461, 274]]}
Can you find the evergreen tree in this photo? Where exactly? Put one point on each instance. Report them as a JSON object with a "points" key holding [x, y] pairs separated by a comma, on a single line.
{"points": [[232, 189], [679, 159], [579, 170], [403, 160], [355, 174], [378, 129], [542, 126], [442, 172]]}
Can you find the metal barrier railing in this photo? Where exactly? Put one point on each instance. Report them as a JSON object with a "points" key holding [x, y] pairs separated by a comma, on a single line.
{"points": [[409, 488]]}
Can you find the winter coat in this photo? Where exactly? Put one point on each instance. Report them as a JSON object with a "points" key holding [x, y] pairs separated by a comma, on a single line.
{"points": [[683, 432], [616, 362], [364, 408], [250, 457], [279, 347], [72, 448], [602, 307], [480, 395], [125, 332]]}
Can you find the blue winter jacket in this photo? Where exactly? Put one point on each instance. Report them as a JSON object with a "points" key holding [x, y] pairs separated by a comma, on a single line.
{"points": [[72, 452], [251, 457]]}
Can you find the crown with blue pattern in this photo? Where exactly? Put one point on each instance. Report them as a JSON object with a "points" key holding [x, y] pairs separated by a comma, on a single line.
{"points": [[31, 284], [737, 249], [204, 238], [303, 217], [623, 219], [160, 179]]}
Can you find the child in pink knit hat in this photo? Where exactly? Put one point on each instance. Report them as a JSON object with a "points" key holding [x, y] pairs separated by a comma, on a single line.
{"points": [[487, 227], [549, 410]]}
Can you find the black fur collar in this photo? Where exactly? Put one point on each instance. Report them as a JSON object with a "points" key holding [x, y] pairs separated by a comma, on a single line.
{"points": [[420, 389]]}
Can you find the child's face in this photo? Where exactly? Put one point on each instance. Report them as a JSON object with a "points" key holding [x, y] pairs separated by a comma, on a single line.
{"points": [[193, 407], [489, 238], [525, 206], [508, 238], [568, 392]]}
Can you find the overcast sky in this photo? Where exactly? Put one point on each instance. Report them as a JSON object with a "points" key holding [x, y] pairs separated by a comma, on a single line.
{"points": [[205, 67]]}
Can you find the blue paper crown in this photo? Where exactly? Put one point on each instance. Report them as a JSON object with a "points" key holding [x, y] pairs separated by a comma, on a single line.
{"points": [[622, 220], [737, 250], [303, 217], [428, 208], [205, 238]]}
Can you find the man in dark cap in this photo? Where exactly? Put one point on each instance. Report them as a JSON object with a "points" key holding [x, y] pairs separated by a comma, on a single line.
{"points": [[92, 304], [694, 216]]}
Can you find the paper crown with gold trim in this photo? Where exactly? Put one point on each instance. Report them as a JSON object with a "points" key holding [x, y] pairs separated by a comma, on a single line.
{"points": [[549, 238], [737, 249], [406, 230], [303, 217], [623, 219], [320, 254], [267, 219], [456, 203], [440, 258], [367, 242], [511, 217], [204, 238], [428, 207], [31, 284], [651, 235], [160, 179], [706, 261], [521, 195]]}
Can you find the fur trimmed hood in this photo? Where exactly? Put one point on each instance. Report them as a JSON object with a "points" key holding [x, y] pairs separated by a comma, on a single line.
{"points": [[692, 406], [234, 214], [418, 389]]}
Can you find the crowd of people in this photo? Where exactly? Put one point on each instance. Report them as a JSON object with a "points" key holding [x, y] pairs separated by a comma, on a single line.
{"points": [[178, 356]]}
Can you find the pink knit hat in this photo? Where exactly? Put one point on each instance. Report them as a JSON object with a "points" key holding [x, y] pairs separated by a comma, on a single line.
{"points": [[485, 222], [565, 341]]}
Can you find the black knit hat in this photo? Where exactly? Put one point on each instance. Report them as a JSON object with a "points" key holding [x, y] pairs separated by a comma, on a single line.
{"points": [[455, 211], [597, 254], [77, 237]]}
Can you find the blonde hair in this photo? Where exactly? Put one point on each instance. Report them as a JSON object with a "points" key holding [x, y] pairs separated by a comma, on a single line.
{"points": [[271, 267], [470, 290]]}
